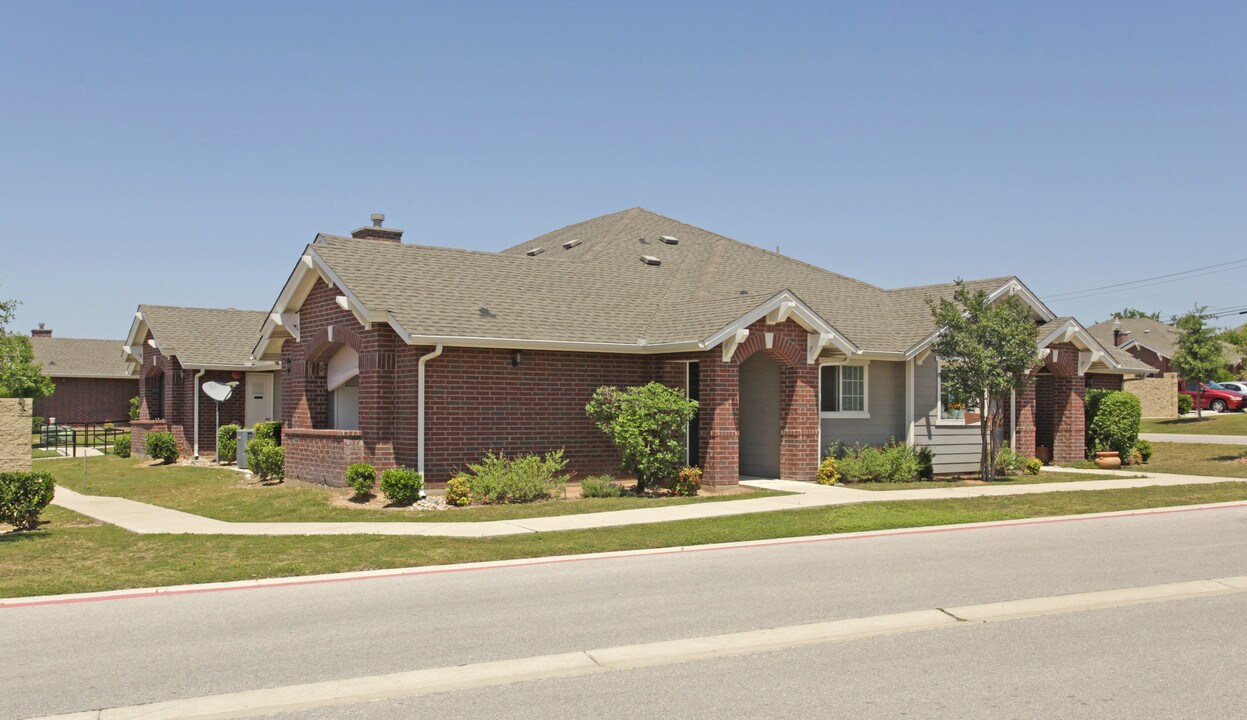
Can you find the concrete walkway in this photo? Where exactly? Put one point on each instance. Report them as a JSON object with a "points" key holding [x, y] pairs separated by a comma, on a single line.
{"points": [[150, 519], [1184, 438]]}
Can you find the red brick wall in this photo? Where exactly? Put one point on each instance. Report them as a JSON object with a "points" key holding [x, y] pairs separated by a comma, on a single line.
{"points": [[78, 401], [322, 456], [180, 387], [1025, 434], [1151, 358], [1069, 424], [1104, 381]]}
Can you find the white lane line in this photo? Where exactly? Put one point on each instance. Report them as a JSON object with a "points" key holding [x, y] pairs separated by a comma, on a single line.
{"points": [[329, 693]]}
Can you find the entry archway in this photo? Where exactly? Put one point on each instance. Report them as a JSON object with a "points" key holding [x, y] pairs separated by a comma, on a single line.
{"points": [[759, 443]]}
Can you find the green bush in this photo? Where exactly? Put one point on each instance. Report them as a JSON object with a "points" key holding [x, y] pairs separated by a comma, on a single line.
{"points": [[1114, 422], [134, 407], [1008, 462], [401, 486], [459, 491], [227, 442], [1033, 466], [894, 462], [688, 482], [121, 446], [600, 486], [827, 473], [926, 462], [1186, 404], [265, 459], [361, 477], [1144, 448], [23, 496], [647, 424], [36, 424], [162, 446], [498, 479], [270, 431]]}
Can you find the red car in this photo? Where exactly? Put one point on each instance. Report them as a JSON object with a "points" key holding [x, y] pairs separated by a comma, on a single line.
{"points": [[1214, 396]]}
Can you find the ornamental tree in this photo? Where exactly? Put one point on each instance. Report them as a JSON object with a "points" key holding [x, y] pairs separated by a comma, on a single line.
{"points": [[647, 425], [1198, 357], [20, 375], [989, 352]]}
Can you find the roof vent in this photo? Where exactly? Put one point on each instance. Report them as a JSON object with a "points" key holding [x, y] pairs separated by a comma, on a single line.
{"points": [[485, 313], [572, 243], [535, 251], [669, 240], [651, 260]]}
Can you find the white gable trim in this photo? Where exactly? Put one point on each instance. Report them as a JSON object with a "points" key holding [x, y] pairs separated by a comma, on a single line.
{"points": [[790, 307], [1014, 287], [1135, 343]]}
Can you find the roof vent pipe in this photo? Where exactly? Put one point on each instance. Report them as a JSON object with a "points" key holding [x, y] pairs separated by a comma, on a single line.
{"points": [[535, 252], [572, 243], [651, 260], [378, 219], [669, 240]]}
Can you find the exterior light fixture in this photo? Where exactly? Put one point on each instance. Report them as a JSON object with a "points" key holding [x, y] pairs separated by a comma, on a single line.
{"points": [[515, 358]]}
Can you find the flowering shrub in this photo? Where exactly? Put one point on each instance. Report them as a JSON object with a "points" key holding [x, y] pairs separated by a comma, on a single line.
{"points": [[827, 473], [688, 482], [459, 491]]}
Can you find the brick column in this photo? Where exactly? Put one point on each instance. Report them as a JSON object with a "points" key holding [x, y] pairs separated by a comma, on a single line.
{"points": [[377, 369], [1069, 424], [798, 412], [720, 431], [1025, 412]]}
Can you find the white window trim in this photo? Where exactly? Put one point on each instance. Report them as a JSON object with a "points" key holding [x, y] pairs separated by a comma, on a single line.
{"points": [[939, 401], [845, 414]]}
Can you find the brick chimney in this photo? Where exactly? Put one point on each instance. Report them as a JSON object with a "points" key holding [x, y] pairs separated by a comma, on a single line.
{"points": [[1119, 335], [41, 331], [376, 232]]}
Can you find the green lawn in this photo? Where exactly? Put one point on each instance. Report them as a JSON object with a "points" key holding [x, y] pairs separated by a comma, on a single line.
{"points": [[230, 496], [1199, 459], [36, 453], [1229, 424], [73, 554], [1045, 477]]}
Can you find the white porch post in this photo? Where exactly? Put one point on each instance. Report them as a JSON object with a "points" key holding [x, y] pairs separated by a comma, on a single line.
{"points": [[909, 401]]}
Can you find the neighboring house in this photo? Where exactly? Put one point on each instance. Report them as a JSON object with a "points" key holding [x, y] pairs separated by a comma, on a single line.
{"points": [[93, 383], [177, 350], [430, 356], [1154, 342]]}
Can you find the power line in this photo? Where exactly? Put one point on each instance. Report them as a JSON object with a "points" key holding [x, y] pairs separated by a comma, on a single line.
{"points": [[1145, 282]]}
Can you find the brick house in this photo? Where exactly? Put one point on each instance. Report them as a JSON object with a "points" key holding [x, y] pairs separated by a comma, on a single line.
{"points": [[177, 350], [1154, 342], [400, 354], [94, 384]]}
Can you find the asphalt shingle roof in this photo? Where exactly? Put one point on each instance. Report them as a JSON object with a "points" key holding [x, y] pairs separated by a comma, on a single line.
{"points": [[1159, 336], [204, 336], [599, 290], [80, 357]]}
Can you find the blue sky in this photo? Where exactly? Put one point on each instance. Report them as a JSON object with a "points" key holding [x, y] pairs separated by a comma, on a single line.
{"points": [[171, 153]]}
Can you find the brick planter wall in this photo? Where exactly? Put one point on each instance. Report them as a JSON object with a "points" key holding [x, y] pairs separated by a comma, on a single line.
{"points": [[139, 430], [78, 401], [322, 456]]}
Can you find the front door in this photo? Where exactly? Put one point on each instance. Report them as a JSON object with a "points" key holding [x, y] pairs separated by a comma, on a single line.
{"points": [[259, 398], [759, 416]]}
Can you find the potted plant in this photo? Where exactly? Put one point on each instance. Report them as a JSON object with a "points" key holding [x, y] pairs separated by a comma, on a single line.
{"points": [[1108, 460]]}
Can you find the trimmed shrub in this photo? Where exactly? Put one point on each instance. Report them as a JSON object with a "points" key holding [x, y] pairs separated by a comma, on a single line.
{"points": [[1033, 466], [688, 482], [1144, 448], [23, 496], [1186, 404], [647, 425], [270, 431], [361, 477], [266, 460], [36, 424], [134, 407], [926, 462], [121, 446], [497, 479], [227, 442], [401, 486], [1114, 424], [600, 486], [162, 446], [894, 462], [827, 473], [459, 491]]}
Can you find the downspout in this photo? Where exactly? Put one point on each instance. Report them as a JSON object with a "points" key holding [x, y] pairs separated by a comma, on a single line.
{"points": [[420, 409], [195, 389]]}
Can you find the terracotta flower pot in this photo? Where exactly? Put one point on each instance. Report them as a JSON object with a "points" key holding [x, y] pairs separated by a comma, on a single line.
{"points": [[1110, 460]]}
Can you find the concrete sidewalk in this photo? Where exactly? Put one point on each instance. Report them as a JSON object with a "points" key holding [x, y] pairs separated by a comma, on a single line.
{"points": [[1183, 438], [150, 519]]}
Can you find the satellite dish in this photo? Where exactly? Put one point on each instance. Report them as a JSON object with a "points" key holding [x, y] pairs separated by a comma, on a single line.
{"points": [[218, 391]]}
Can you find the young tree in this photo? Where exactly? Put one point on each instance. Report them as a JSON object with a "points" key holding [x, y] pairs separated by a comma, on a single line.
{"points": [[1198, 357], [989, 350], [1126, 313], [20, 375], [647, 424]]}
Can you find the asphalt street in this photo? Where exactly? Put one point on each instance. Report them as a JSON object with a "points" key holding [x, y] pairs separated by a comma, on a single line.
{"points": [[63, 658]]}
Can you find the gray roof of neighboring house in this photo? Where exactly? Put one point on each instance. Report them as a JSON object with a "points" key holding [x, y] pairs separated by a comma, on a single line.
{"points": [[1158, 336], [81, 357], [204, 336], [1122, 358], [600, 291]]}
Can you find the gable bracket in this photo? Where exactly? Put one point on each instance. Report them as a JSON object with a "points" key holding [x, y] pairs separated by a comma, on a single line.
{"points": [[781, 313], [733, 342]]}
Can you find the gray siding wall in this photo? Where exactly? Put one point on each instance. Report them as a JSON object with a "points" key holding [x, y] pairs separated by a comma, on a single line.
{"points": [[956, 446], [886, 396]]}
